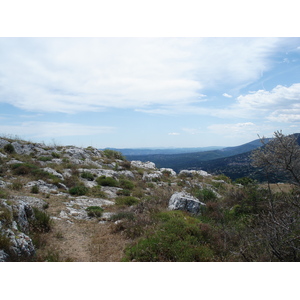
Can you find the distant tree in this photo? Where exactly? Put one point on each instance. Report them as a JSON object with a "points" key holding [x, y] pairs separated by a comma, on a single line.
{"points": [[282, 154]]}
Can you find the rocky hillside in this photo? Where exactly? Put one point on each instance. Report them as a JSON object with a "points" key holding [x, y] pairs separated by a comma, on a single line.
{"points": [[61, 202], [64, 203]]}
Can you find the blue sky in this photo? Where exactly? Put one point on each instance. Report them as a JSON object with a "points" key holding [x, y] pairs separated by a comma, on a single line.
{"points": [[149, 92]]}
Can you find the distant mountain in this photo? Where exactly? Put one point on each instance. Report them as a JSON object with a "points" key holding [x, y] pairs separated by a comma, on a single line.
{"points": [[195, 160], [154, 151]]}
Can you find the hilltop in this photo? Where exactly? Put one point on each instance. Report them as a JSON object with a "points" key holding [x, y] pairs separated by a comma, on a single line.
{"points": [[67, 203]]}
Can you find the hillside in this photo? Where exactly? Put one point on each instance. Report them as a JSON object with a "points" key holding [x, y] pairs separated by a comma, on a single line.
{"points": [[195, 160], [65, 203]]}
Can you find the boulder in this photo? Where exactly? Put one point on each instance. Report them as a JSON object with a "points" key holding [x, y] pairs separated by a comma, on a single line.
{"points": [[185, 201], [143, 165], [191, 173]]}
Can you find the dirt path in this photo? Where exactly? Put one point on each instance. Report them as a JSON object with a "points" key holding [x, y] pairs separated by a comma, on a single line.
{"points": [[81, 240]]}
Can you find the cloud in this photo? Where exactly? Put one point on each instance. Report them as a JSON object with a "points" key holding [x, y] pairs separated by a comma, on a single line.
{"points": [[174, 133], [72, 75], [227, 95], [53, 129], [281, 104]]}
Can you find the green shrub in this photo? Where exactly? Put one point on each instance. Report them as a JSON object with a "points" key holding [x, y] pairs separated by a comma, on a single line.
{"points": [[55, 155], [9, 148], [177, 238], [78, 190], [123, 192], [41, 221], [107, 181], [3, 194], [113, 154], [45, 158], [87, 175], [17, 185], [205, 195], [126, 184], [5, 215], [35, 189], [94, 211], [128, 215], [244, 181], [127, 200]]}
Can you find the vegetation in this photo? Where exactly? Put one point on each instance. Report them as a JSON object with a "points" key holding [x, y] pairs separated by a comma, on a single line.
{"points": [[94, 211]]}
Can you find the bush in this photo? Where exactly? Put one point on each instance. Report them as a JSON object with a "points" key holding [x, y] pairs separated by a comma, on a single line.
{"points": [[35, 189], [45, 158], [78, 190], [244, 181], [176, 238], [107, 181], [113, 154], [87, 175], [9, 148], [126, 184], [41, 221], [205, 195], [94, 211], [127, 200], [122, 215], [55, 155]]}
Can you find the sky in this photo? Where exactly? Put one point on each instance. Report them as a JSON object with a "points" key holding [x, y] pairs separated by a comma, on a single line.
{"points": [[131, 92]]}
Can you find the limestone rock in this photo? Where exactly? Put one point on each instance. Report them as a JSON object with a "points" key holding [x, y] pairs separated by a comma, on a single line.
{"points": [[185, 201], [43, 186], [143, 165], [53, 172], [191, 173]]}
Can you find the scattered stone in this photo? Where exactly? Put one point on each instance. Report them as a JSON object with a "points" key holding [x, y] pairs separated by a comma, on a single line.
{"points": [[185, 201], [191, 173], [143, 165]]}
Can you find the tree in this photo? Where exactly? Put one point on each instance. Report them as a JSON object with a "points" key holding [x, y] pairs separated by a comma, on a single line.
{"points": [[281, 154]]}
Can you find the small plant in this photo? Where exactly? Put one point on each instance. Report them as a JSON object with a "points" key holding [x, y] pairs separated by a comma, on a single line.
{"points": [[45, 158], [94, 211], [78, 190], [127, 200], [41, 221], [113, 154], [35, 189], [107, 181], [122, 215], [55, 155], [123, 192], [87, 175], [9, 148], [126, 184], [205, 195], [17, 185]]}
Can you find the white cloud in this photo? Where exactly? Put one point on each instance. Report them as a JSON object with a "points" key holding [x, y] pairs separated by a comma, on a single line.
{"points": [[91, 74], [281, 104], [53, 129], [174, 133], [227, 95]]}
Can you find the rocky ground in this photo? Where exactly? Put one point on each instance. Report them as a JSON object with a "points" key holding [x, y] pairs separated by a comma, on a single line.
{"points": [[63, 182]]}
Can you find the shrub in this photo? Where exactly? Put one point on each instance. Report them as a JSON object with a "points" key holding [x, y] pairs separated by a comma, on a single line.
{"points": [[87, 175], [128, 215], [78, 190], [126, 184], [176, 238], [244, 181], [9, 148], [45, 158], [107, 181], [123, 192], [35, 189], [41, 221], [17, 185], [94, 211], [113, 154], [205, 195], [55, 155], [127, 200]]}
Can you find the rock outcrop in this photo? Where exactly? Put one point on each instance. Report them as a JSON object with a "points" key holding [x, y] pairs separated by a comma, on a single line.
{"points": [[185, 201]]}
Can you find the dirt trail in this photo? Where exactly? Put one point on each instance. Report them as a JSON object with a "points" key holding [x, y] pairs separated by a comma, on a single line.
{"points": [[84, 240]]}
